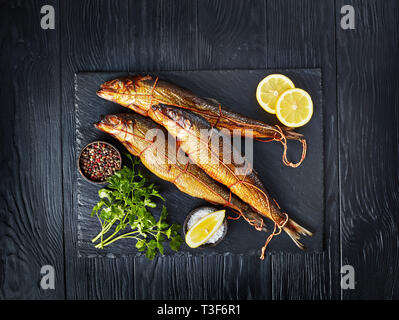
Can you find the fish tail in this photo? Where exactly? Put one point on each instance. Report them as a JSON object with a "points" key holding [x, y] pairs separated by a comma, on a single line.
{"points": [[295, 231]]}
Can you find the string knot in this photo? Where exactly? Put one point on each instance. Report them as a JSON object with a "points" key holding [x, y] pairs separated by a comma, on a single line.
{"points": [[273, 234]]}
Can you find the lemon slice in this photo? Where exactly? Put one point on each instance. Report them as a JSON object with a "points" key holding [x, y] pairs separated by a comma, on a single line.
{"points": [[270, 88], [200, 232], [294, 108]]}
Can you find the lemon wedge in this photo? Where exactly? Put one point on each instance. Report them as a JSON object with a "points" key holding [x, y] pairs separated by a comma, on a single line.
{"points": [[294, 108], [204, 228], [270, 88]]}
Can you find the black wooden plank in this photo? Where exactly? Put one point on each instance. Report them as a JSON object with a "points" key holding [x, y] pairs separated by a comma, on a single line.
{"points": [[236, 277], [368, 69], [227, 276], [170, 278], [301, 34], [304, 279], [31, 228], [231, 34], [108, 279], [93, 38], [163, 36]]}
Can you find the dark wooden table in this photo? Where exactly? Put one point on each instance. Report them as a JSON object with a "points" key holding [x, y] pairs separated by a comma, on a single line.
{"points": [[360, 79]]}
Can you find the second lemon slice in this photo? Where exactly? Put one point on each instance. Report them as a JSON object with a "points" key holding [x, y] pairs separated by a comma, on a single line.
{"points": [[270, 88], [294, 108], [200, 232]]}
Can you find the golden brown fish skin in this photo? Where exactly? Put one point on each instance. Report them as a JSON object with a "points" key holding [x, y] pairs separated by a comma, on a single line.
{"points": [[188, 128], [141, 92], [132, 131]]}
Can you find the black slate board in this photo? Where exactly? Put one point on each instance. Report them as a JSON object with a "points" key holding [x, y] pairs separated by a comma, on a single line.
{"points": [[299, 191]]}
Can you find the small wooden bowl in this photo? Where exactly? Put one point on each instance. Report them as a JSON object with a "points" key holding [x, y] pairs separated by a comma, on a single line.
{"points": [[211, 209], [96, 142]]}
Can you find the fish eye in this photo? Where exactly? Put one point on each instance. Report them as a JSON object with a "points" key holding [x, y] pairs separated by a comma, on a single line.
{"points": [[113, 120], [171, 114]]}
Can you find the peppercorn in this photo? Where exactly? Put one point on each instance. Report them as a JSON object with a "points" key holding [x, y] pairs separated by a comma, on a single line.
{"points": [[99, 161]]}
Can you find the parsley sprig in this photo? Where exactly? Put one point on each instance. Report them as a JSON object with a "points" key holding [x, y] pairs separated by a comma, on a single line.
{"points": [[123, 204]]}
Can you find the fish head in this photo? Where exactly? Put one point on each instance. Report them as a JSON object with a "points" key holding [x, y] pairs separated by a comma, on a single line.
{"points": [[123, 82], [126, 91], [126, 126], [173, 119], [182, 124], [134, 131], [116, 90], [112, 124]]}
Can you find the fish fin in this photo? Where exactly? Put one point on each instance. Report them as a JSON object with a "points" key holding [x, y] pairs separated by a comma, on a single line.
{"points": [[295, 231]]}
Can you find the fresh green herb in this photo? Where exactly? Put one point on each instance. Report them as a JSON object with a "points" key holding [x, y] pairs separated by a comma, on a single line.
{"points": [[123, 204]]}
